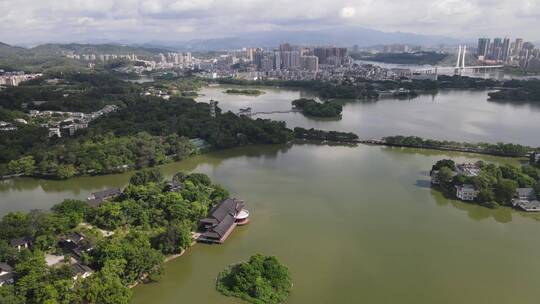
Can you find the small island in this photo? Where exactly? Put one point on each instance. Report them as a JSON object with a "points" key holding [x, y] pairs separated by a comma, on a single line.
{"points": [[250, 92], [331, 136], [489, 185], [313, 108], [262, 279]]}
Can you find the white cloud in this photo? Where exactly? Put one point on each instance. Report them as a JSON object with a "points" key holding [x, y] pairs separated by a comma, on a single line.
{"points": [[42, 20], [348, 12]]}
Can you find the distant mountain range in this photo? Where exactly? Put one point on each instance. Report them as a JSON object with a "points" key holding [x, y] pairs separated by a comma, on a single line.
{"points": [[339, 37]]}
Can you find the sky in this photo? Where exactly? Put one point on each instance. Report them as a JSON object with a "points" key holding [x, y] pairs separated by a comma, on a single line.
{"points": [[139, 21]]}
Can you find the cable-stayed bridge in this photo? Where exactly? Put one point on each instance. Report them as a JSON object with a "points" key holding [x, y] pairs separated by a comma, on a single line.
{"points": [[460, 65]]}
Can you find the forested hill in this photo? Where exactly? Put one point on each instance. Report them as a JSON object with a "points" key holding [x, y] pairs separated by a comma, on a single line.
{"points": [[8, 50], [47, 57], [77, 48]]}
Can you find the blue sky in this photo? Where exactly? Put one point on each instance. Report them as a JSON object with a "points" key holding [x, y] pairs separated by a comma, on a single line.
{"points": [[31, 21]]}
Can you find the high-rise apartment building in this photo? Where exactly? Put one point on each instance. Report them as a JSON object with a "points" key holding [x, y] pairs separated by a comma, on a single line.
{"points": [[483, 47], [505, 49]]}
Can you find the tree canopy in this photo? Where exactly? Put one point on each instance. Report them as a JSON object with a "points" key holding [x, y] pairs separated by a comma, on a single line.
{"points": [[142, 226], [262, 279]]}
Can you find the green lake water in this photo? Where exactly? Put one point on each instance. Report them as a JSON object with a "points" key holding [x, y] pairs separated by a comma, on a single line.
{"points": [[353, 224], [461, 115]]}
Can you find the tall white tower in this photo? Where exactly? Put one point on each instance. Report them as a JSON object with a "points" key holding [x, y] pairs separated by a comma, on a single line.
{"points": [[458, 64], [463, 55]]}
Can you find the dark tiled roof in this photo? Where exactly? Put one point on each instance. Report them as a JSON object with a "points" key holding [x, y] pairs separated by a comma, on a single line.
{"points": [[211, 235], [79, 268], [224, 225], [221, 219], [7, 277], [209, 221], [173, 185], [95, 202], [533, 205], [75, 237], [20, 241], [528, 192], [229, 206], [107, 193], [5, 267]]}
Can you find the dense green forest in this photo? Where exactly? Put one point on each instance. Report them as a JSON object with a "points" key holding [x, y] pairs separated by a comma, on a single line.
{"points": [[101, 155], [148, 129], [496, 184], [185, 117], [313, 108], [148, 224], [501, 149], [261, 280], [432, 58]]}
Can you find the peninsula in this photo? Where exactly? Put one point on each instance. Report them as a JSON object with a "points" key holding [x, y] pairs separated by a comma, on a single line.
{"points": [[94, 251]]}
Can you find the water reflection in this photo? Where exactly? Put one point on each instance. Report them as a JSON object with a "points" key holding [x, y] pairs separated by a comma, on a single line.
{"points": [[528, 105], [479, 213], [460, 115]]}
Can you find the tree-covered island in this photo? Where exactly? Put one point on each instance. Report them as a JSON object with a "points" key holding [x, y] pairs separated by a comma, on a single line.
{"points": [[250, 92], [489, 185], [261, 280], [321, 135], [310, 107]]}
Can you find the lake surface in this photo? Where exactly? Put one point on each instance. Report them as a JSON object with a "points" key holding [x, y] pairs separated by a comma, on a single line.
{"points": [[461, 115], [498, 74], [354, 225]]}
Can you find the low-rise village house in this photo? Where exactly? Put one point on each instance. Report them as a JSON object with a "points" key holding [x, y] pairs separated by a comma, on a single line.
{"points": [[525, 199], [466, 192]]}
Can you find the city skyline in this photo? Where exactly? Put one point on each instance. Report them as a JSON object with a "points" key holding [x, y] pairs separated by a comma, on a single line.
{"points": [[134, 21]]}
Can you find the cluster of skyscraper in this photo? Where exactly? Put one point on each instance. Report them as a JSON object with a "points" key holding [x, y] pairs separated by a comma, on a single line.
{"points": [[503, 50], [290, 58]]}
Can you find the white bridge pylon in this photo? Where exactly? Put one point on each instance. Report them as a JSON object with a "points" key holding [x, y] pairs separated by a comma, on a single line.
{"points": [[461, 57], [460, 64]]}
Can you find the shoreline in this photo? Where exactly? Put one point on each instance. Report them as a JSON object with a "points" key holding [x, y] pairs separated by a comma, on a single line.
{"points": [[167, 259], [377, 142], [452, 149], [373, 142]]}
